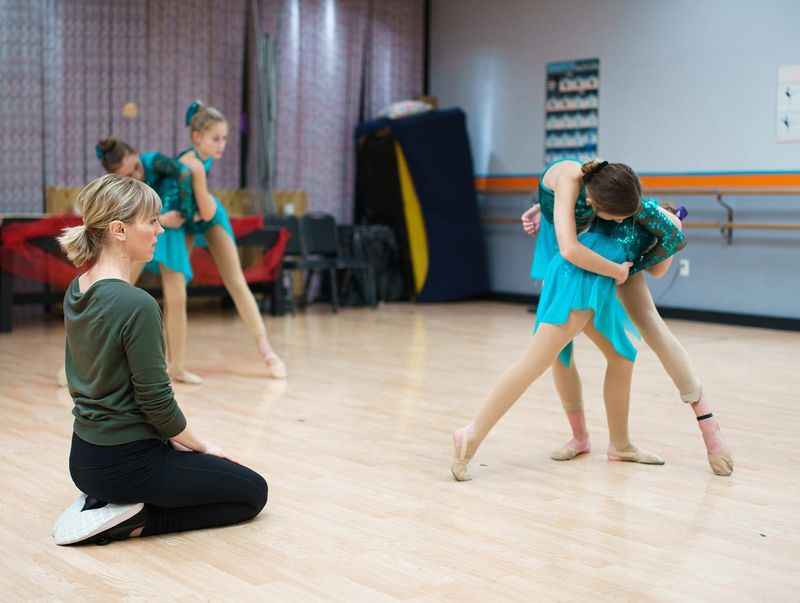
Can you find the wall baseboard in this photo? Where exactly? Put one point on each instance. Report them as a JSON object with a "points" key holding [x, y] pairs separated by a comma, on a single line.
{"points": [[725, 318]]}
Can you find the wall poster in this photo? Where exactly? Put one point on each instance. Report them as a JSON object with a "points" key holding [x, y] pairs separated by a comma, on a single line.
{"points": [[571, 110]]}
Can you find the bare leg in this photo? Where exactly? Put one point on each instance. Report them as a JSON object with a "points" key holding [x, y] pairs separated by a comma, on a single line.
{"points": [[636, 297], [638, 302], [617, 397], [542, 351], [175, 324], [226, 257]]}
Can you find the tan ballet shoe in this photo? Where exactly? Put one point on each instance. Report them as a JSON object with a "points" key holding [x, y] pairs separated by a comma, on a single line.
{"points": [[187, 378], [277, 369], [567, 453], [634, 455], [721, 463], [460, 466]]}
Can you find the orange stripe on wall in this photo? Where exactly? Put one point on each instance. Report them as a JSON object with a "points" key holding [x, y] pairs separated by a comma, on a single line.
{"points": [[721, 181], [712, 181], [507, 182]]}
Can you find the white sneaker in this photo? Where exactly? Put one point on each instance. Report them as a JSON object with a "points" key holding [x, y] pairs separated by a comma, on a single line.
{"points": [[75, 525]]}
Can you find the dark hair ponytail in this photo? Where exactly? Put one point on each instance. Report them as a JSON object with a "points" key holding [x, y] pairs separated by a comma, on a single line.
{"points": [[112, 152], [614, 188]]}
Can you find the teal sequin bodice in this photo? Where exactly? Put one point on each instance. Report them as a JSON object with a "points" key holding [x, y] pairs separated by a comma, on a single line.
{"points": [[207, 163], [584, 214], [648, 238], [635, 241], [171, 180]]}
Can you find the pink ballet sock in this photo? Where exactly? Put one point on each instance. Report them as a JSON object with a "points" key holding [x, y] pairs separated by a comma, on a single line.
{"points": [[579, 444], [580, 437], [719, 457], [709, 427]]}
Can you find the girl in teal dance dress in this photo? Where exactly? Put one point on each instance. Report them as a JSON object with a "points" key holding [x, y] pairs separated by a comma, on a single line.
{"points": [[578, 295], [650, 239]]}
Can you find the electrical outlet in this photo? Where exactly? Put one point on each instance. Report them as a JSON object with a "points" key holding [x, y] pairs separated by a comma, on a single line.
{"points": [[683, 267]]}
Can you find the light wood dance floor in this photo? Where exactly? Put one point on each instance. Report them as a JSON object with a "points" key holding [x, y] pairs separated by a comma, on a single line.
{"points": [[356, 449]]}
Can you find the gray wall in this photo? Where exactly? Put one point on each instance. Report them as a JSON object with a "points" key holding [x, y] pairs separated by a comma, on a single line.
{"points": [[686, 87]]}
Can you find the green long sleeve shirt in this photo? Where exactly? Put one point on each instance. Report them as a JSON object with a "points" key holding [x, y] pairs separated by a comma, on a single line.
{"points": [[115, 365]]}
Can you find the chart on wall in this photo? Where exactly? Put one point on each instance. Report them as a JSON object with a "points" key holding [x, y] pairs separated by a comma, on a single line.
{"points": [[789, 103], [571, 110]]}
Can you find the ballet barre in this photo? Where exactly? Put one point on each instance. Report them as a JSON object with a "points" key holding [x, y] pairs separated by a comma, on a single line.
{"points": [[726, 226]]}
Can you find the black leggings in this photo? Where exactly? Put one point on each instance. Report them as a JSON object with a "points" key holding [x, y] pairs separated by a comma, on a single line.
{"points": [[181, 490]]}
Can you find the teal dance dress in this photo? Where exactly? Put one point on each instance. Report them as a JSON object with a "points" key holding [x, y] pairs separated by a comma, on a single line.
{"points": [[173, 183], [646, 239], [220, 217]]}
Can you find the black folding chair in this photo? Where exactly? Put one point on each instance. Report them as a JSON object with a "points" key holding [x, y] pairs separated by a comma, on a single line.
{"points": [[320, 241], [265, 238], [297, 258]]}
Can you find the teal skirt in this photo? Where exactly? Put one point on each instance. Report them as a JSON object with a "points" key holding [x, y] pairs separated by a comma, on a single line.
{"points": [[544, 252], [171, 251], [220, 218], [171, 248], [567, 288]]}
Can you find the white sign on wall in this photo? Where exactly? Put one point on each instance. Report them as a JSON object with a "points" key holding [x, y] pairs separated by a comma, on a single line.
{"points": [[789, 103]]}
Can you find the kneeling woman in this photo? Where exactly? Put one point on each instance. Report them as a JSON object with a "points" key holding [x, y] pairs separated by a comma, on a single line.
{"points": [[141, 469]]}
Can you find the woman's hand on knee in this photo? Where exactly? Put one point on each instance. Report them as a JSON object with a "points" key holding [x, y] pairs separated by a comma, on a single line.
{"points": [[185, 440], [180, 447], [215, 450]]}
